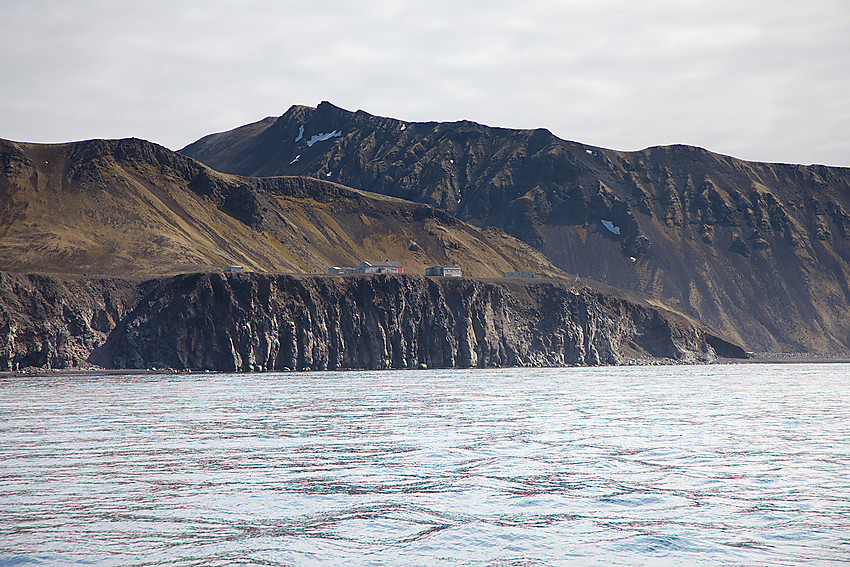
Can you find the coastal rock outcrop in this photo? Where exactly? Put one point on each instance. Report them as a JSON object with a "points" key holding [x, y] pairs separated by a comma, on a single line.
{"points": [[50, 322], [256, 322]]}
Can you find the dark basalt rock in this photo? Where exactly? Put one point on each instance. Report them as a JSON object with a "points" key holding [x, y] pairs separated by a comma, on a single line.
{"points": [[58, 322], [740, 247], [252, 322]]}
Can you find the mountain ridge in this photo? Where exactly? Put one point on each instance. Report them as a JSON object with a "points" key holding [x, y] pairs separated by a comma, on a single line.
{"points": [[118, 207]]}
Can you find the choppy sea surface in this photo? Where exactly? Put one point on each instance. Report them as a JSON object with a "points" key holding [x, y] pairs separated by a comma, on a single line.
{"points": [[679, 465]]}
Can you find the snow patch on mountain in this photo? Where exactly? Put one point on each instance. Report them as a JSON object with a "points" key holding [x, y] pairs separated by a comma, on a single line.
{"points": [[323, 136], [610, 226]]}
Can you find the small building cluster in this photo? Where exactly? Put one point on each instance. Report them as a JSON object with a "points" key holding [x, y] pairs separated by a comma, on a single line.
{"points": [[395, 268], [388, 267], [370, 268]]}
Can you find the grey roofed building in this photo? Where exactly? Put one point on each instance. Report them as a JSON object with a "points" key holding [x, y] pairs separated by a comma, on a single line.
{"points": [[379, 268], [451, 271], [339, 270]]}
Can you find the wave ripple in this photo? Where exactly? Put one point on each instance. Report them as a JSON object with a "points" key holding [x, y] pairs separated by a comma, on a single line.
{"points": [[715, 465]]}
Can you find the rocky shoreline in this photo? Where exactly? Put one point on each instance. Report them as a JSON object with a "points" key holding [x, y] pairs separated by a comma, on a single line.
{"points": [[265, 322]]}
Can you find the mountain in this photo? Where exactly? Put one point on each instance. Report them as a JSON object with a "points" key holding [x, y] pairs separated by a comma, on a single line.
{"points": [[97, 237], [133, 208], [760, 252]]}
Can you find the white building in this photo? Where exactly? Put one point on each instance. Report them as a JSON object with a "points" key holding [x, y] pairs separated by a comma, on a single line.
{"points": [[450, 271], [527, 275], [379, 268], [233, 269]]}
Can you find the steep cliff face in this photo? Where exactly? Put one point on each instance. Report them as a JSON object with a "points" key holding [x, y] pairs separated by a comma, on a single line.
{"points": [[759, 251], [255, 322], [58, 322]]}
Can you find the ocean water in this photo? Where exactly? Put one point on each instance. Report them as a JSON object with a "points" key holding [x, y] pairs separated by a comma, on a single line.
{"points": [[677, 465]]}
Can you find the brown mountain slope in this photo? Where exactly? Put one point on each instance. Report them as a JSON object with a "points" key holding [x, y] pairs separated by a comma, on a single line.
{"points": [[759, 251], [132, 208]]}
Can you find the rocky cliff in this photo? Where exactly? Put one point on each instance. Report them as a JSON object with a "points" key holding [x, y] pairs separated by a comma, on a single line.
{"points": [[252, 322], [758, 251], [50, 322]]}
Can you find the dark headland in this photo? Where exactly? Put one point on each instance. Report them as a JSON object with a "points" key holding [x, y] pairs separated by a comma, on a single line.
{"points": [[265, 322]]}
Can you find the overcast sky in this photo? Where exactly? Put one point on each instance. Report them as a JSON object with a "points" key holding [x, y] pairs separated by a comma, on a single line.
{"points": [[765, 80]]}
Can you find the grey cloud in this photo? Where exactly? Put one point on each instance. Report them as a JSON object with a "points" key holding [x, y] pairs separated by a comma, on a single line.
{"points": [[759, 80]]}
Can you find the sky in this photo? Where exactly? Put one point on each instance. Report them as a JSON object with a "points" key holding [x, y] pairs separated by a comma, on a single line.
{"points": [[762, 80]]}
